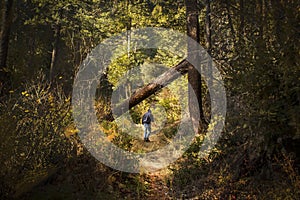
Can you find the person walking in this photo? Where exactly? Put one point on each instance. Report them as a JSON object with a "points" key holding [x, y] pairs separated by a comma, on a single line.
{"points": [[146, 121]]}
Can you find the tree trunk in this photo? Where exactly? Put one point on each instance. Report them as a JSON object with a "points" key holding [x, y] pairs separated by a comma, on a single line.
{"points": [[143, 93], [194, 76], [278, 15], [208, 43], [208, 26], [260, 8], [208, 37], [227, 5], [242, 22], [6, 20], [54, 52], [77, 53]]}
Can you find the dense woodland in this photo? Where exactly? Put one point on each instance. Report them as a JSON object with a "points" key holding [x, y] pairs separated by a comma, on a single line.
{"points": [[255, 46]]}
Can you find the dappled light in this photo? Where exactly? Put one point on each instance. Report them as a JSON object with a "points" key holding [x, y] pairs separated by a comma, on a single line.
{"points": [[149, 99]]}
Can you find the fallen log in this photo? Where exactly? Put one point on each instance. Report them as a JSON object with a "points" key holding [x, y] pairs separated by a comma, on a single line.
{"points": [[160, 82]]}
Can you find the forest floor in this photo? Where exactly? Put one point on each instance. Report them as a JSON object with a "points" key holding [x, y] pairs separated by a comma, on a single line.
{"points": [[83, 177]]}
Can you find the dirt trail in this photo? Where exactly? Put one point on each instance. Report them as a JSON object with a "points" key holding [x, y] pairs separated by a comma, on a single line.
{"points": [[157, 188], [157, 141]]}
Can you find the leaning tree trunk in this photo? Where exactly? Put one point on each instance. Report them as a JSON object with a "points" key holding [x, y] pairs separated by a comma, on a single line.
{"points": [[7, 10], [160, 82]]}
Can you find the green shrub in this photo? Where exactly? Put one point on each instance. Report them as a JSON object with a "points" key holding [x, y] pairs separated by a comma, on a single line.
{"points": [[33, 121]]}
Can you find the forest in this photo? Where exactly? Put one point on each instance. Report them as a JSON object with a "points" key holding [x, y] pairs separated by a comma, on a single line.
{"points": [[221, 77]]}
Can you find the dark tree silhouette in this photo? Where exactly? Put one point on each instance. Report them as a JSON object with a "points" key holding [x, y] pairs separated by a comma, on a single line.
{"points": [[194, 76], [6, 21]]}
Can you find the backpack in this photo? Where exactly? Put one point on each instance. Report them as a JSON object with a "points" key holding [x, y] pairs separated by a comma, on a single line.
{"points": [[146, 119]]}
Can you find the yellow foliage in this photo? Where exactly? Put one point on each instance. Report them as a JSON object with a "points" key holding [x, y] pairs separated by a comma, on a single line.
{"points": [[70, 130], [111, 137]]}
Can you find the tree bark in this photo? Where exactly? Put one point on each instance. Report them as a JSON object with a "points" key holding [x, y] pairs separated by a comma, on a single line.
{"points": [[208, 42], [194, 76], [7, 13]]}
